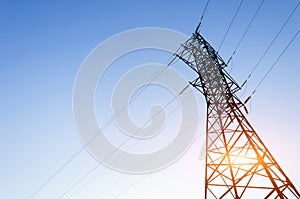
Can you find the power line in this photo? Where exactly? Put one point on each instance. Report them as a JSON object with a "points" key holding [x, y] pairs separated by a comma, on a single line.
{"points": [[275, 62], [247, 29], [50, 178], [266, 51], [81, 179], [122, 144], [44, 184], [143, 177], [202, 16], [233, 19], [132, 185], [74, 155], [126, 142], [272, 42], [198, 27], [146, 175]]}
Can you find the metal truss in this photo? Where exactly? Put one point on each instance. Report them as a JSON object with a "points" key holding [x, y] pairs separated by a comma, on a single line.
{"points": [[238, 164]]}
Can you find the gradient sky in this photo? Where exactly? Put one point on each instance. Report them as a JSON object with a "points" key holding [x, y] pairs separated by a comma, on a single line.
{"points": [[43, 44]]}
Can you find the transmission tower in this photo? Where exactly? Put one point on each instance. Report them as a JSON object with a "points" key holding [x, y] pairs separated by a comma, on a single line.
{"points": [[238, 164]]}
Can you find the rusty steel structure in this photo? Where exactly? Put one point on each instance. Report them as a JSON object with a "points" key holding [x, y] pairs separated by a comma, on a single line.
{"points": [[238, 164]]}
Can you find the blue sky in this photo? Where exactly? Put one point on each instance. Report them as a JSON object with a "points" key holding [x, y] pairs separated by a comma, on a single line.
{"points": [[43, 44]]}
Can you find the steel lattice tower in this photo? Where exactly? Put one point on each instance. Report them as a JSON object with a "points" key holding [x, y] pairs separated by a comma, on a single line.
{"points": [[238, 164]]}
